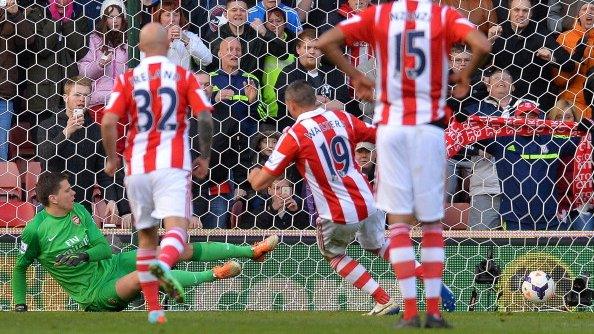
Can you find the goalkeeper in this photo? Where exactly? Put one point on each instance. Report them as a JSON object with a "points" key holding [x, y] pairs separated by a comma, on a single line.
{"points": [[67, 243]]}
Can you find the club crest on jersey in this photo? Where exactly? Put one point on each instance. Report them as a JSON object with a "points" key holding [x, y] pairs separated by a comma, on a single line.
{"points": [[75, 220]]}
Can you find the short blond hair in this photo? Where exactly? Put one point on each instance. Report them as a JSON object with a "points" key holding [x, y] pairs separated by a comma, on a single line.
{"points": [[76, 80]]}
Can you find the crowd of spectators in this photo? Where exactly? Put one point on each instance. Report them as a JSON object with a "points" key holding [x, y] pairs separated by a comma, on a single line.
{"points": [[59, 60]]}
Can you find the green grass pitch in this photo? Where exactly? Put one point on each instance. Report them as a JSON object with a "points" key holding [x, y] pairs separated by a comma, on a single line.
{"points": [[285, 322]]}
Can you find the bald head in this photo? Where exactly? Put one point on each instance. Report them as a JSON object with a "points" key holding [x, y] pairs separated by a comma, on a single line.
{"points": [[153, 40], [229, 54]]}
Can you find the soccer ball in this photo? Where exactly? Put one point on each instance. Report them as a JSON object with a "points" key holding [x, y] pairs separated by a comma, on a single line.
{"points": [[538, 287]]}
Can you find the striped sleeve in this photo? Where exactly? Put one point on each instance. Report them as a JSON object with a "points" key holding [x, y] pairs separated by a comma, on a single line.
{"points": [[283, 155], [118, 100], [196, 97], [359, 27], [457, 26]]}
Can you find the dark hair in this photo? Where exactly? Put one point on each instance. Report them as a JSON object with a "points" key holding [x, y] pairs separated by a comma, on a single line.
{"points": [[305, 34], [494, 69], [112, 38], [276, 10], [48, 184], [171, 6], [302, 92]]}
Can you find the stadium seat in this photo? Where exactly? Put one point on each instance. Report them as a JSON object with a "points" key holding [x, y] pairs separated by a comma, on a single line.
{"points": [[10, 182], [16, 213], [456, 216], [21, 143]]}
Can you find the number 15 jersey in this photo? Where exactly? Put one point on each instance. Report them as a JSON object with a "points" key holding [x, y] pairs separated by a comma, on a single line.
{"points": [[157, 94], [411, 41], [322, 144]]}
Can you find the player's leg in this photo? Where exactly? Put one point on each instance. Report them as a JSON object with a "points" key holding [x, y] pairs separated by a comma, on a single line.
{"points": [[333, 240], [212, 251], [172, 198], [139, 191], [394, 195], [372, 238], [428, 207]]}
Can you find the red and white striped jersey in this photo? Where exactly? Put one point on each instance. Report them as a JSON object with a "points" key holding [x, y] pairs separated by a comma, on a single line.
{"points": [[322, 143], [411, 42], [157, 94]]}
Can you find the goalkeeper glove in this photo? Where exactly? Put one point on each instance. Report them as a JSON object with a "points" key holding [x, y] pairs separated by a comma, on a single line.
{"points": [[20, 308], [72, 260]]}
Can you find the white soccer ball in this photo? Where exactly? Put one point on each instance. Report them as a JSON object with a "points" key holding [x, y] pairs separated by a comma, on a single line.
{"points": [[538, 287]]}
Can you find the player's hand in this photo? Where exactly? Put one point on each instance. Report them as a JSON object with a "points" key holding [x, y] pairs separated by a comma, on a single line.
{"points": [[73, 124], [251, 91], [494, 32], [363, 87], [72, 260], [21, 308], [200, 167], [544, 54], [258, 26], [224, 94], [461, 84], [111, 166]]}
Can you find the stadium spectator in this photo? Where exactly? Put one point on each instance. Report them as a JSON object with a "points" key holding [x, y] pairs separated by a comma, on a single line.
{"points": [[528, 53], [263, 145], [560, 16], [281, 210], [59, 42], [479, 12], [328, 82], [579, 218], [14, 36], [70, 141], [236, 89], [258, 13], [365, 158], [256, 40], [528, 169], [106, 58], [212, 195], [578, 42], [500, 101], [184, 45], [273, 65]]}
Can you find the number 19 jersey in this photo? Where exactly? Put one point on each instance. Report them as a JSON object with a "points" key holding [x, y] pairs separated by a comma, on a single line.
{"points": [[322, 143], [156, 95], [411, 41]]}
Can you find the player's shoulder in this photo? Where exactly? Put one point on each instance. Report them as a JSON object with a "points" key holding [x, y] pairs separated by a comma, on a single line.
{"points": [[33, 225]]}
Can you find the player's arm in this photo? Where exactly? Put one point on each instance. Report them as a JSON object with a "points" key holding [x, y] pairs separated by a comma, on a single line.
{"points": [[331, 44], [29, 250], [362, 131], [283, 155], [480, 47], [201, 108], [115, 109]]}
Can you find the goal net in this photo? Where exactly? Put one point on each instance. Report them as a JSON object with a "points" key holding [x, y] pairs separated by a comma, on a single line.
{"points": [[518, 195]]}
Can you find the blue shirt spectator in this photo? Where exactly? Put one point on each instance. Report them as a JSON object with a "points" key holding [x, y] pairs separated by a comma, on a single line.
{"points": [[260, 9]]}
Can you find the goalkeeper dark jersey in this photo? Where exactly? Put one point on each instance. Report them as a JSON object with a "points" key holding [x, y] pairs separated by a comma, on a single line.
{"points": [[46, 237]]}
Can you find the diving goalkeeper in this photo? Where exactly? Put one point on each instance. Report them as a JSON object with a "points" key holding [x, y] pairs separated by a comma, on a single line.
{"points": [[65, 240]]}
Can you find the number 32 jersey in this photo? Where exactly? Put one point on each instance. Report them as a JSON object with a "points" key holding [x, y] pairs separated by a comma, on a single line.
{"points": [[322, 144], [411, 41], [157, 94]]}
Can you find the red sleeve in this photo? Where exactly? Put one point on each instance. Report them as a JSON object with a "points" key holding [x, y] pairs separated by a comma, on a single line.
{"points": [[456, 26], [362, 131], [119, 98], [359, 27], [283, 155], [196, 97]]}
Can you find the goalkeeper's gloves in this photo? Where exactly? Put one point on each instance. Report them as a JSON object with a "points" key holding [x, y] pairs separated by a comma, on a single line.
{"points": [[20, 308], [72, 260]]}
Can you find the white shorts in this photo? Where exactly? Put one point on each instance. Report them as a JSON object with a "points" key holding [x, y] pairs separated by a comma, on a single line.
{"points": [[333, 238], [410, 177], [159, 194]]}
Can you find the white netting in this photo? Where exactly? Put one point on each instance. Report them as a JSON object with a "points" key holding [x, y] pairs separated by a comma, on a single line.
{"points": [[526, 180]]}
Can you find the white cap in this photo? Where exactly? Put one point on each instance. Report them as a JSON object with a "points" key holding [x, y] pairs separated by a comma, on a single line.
{"points": [[107, 3], [366, 145]]}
